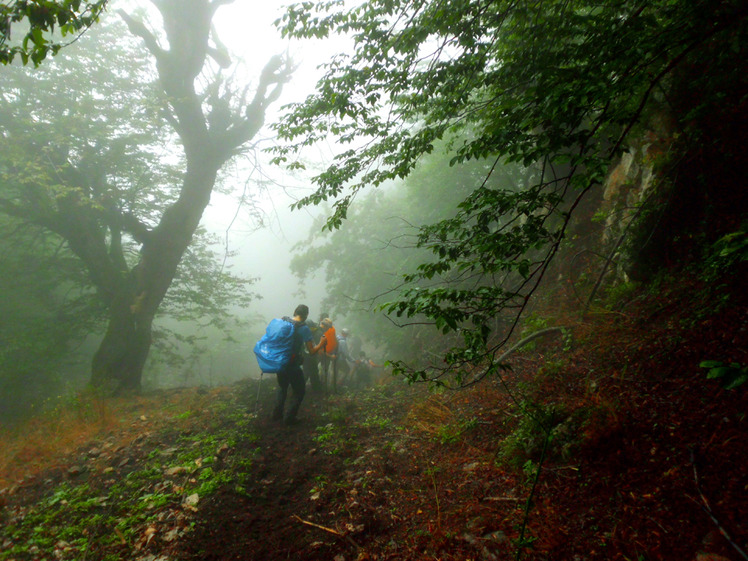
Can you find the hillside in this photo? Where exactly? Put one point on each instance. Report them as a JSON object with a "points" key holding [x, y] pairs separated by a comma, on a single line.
{"points": [[645, 459]]}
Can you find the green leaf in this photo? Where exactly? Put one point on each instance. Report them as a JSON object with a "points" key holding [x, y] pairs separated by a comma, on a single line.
{"points": [[719, 372], [738, 380]]}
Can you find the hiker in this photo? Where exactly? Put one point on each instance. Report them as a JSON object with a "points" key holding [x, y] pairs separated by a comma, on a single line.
{"points": [[292, 374], [331, 343], [343, 361], [311, 361]]}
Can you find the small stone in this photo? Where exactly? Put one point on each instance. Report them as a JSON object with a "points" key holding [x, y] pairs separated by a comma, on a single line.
{"points": [[192, 499], [75, 471]]}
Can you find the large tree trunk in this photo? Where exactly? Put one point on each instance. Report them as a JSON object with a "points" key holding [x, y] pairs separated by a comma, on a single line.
{"points": [[118, 363], [210, 132]]}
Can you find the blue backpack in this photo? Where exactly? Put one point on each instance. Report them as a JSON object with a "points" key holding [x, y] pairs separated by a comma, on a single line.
{"points": [[275, 350]]}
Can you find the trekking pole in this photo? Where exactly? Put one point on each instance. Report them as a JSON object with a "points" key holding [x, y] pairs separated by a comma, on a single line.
{"points": [[257, 402]]}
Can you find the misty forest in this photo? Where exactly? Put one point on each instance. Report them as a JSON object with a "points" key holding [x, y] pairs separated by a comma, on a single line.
{"points": [[504, 243]]}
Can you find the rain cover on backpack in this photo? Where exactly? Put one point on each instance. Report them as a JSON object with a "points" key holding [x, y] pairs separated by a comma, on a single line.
{"points": [[275, 349]]}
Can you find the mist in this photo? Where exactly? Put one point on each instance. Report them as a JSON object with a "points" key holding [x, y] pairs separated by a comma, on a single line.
{"points": [[526, 221], [247, 230]]}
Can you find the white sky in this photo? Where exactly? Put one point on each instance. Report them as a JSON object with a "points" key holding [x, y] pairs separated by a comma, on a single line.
{"points": [[246, 27]]}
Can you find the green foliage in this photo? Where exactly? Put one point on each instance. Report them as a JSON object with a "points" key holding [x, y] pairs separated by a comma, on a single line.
{"points": [[450, 433], [88, 517], [327, 433], [378, 422], [726, 255], [553, 86], [729, 375], [380, 239], [620, 294], [525, 441], [70, 17], [532, 324], [211, 480], [48, 308], [82, 184], [560, 431]]}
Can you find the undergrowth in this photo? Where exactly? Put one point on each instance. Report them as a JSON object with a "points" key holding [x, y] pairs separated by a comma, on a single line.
{"points": [[80, 519]]}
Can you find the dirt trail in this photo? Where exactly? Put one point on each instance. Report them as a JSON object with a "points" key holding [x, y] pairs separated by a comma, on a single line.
{"points": [[267, 520]]}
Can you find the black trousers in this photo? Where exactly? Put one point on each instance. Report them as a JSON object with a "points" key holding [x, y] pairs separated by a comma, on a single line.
{"points": [[311, 371], [292, 376]]}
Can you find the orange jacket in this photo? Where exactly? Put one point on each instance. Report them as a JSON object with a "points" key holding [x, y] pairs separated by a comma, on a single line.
{"points": [[331, 341]]}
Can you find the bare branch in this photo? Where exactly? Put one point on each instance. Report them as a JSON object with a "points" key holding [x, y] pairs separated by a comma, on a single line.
{"points": [[137, 28]]}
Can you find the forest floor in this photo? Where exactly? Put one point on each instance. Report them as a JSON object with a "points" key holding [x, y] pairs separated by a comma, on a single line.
{"points": [[645, 459]]}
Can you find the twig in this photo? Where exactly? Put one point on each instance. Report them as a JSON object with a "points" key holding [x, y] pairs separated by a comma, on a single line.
{"points": [[521, 545], [325, 528], [329, 530], [708, 510]]}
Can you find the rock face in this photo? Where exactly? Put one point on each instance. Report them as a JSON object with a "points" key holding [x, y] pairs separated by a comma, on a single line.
{"points": [[632, 181]]}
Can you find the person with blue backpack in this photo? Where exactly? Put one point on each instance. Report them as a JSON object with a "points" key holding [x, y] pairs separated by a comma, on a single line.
{"points": [[280, 351]]}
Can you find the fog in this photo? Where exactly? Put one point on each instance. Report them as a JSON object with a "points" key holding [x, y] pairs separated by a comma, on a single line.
{"points": [[248, 212], [264, 246], [256, 234], [251, 212], [261, 230]]}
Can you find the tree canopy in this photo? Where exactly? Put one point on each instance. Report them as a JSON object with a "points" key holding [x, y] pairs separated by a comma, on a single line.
{"points": [[84, 159], [558, 86], [70, 17], [363, 260]]}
